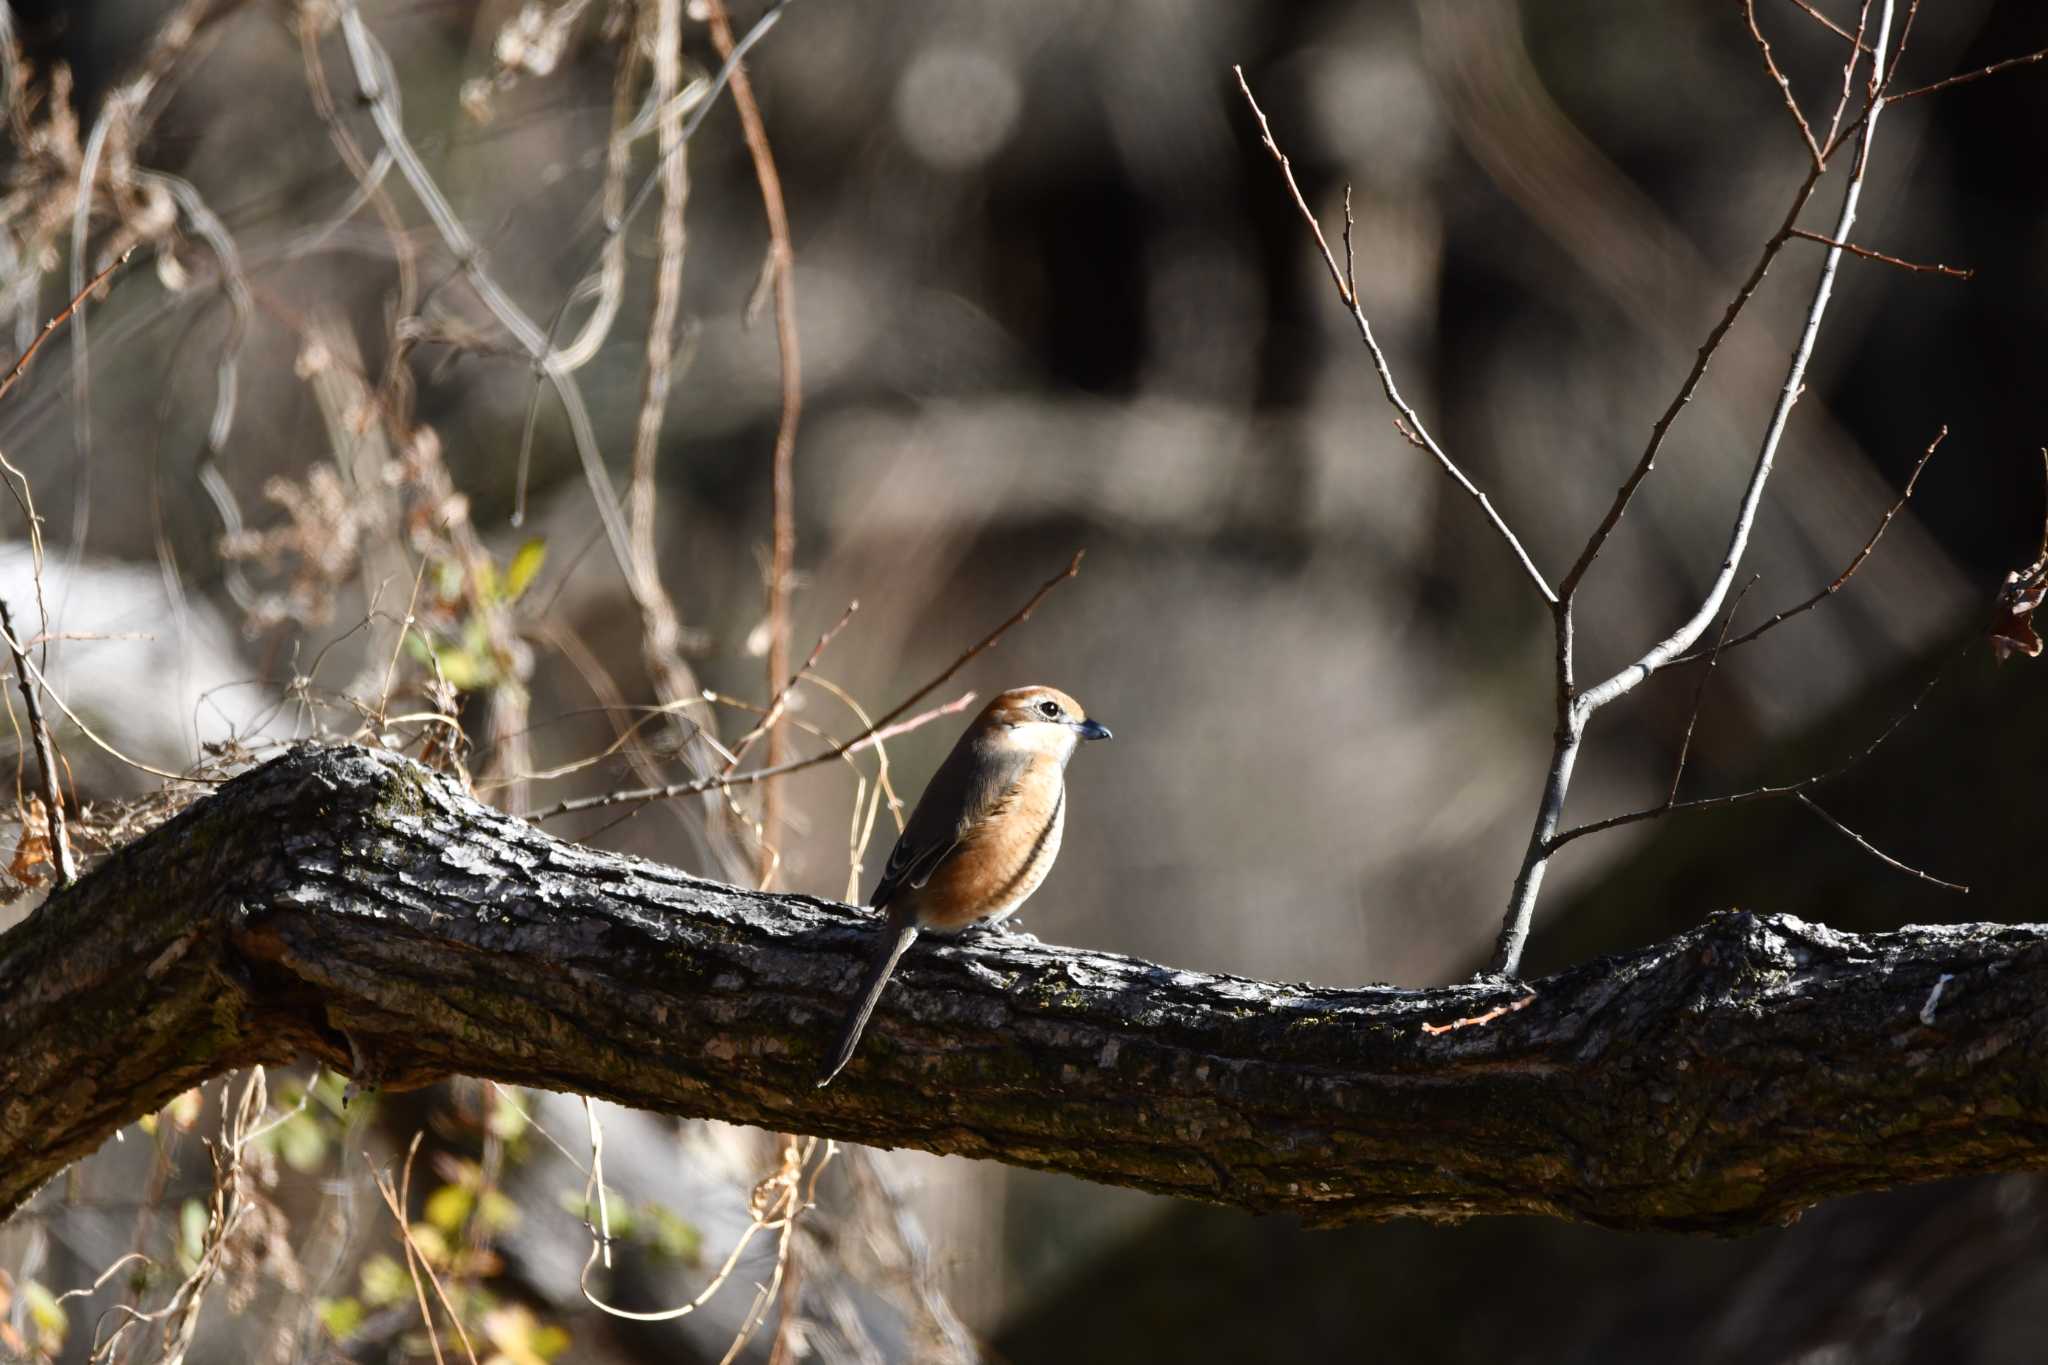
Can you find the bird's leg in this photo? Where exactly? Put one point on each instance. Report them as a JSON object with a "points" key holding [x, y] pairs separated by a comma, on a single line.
{"points": [[1009, 926]]}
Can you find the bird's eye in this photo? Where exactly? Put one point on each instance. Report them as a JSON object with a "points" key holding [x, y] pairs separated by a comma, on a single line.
{"points": [[1049, 709]]}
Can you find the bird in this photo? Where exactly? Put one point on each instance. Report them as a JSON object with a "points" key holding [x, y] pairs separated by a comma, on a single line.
{"points": [[981, 838]]}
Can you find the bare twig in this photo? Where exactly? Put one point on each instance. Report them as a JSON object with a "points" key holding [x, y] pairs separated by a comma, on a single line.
{"points": [[46, 756], [1832, 27], [1867, 254], [416, 1259], [1480, 1020], [782, 479], [1699, 693], [1899, 52], [1841, 579], [880, 730], [1662, 427], [1992, 70], [21, 362], [22, 660], [1873, 850], [1785, 86], [1349, 294], [780, 701], [1848, 82]]}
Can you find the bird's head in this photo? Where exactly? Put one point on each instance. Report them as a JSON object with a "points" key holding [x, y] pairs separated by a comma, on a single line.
{"points": [[1039, 719]]}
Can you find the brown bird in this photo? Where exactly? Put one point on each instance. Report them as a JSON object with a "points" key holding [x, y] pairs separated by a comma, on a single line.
{"points": [[983, 836]]}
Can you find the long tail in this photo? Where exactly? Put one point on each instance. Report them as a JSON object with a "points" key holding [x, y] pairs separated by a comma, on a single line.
{"points": [[895, 939]]}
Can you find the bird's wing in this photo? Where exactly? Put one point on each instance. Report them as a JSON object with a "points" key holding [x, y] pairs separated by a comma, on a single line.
{"points": [[911, 864], [963, 795]]}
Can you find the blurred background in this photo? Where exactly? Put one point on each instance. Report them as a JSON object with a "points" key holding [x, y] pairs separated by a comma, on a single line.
{"points": [[1051, 294]]}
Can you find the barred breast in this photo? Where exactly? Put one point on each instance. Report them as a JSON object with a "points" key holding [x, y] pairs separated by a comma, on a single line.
{"points": [[997, 871]]}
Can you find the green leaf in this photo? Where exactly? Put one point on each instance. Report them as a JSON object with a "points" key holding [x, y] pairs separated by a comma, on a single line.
{"points": [[548, 1341], [498, 1212], [449, 1207], [466, 672], [192, 1220], [342, 1317], [674, 1236], [302, 1143], [384, 1280], [621, 1212], [525, 567], [44, 1310], [508, 1119]]}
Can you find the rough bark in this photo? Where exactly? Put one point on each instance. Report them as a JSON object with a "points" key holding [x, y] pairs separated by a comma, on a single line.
{"points": [[350, 906]]}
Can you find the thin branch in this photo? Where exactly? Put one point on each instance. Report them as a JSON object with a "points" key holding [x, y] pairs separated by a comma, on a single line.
{"points": [[782, 478], [416, 1260], [1349, 294], [61, 856], [1899, 53], [1699, 693], [878, 731], [1992, 70], [1842, 579], [1820, 160], [1873, 850], [21, 362], [1662, 427], [779, 702], [1867, 254], [1832, 27], [1828, 144], [22, 660]]}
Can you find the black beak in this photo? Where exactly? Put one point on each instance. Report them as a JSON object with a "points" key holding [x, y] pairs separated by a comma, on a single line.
{"points": [[1094, 729]]}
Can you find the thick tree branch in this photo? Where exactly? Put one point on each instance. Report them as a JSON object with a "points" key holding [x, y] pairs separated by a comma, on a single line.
{"points": [[347, 905]]}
